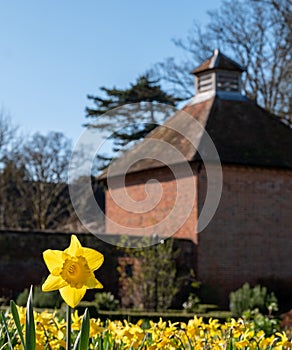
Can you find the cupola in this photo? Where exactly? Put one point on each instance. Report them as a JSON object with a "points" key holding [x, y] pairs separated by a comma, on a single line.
{"points": [[218, 75]]}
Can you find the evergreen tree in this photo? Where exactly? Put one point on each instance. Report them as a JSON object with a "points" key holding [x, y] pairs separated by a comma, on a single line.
{"points": [[138, 112]]}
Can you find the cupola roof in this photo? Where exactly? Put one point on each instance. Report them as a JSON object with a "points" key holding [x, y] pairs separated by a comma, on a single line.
{"points": [[218, 61]]}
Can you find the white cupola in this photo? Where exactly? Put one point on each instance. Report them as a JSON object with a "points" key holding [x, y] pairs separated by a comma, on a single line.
{"points": [[218, 75]]}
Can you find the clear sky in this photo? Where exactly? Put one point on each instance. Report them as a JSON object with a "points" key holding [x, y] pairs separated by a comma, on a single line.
{"points": [[54, 53]]}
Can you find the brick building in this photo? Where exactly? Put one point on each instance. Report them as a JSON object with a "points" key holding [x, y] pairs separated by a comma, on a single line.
{"points": [[249, 237]]}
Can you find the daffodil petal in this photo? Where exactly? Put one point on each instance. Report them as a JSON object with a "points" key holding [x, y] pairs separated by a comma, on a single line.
{"points": [[92, 282], [57, 271], [93, 257], [72, 296], [74, 246], [53, 283], [53, 259]]}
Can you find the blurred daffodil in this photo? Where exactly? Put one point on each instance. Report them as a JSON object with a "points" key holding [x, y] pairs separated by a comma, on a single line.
{"points": [[72, 271]]}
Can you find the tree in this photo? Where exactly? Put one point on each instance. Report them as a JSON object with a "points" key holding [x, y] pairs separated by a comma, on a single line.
{"points": [[14, 208], [148, 276], [9, 141], [46, 160], [33, 179], [137, 114], [12, 175], [7, 133], [152, 275], [257, 34]]}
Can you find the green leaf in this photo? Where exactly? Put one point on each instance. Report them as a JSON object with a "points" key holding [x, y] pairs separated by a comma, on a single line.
{"points": [[77, 341], [84, 332], [30, 327], [82, 340], [6, 329], [15, 316]]}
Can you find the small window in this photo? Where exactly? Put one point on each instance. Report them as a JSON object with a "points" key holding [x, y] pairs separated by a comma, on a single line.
{"points": [[205, 83], [228, 82], [129, 270]]}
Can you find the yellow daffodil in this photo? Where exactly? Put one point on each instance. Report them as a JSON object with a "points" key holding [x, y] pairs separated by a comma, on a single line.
{"points": [[284, 342], [71, 271], [50, 334]]}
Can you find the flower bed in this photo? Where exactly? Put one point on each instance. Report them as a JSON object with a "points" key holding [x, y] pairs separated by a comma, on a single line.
{"points": [[72, 273], [118, 335]]}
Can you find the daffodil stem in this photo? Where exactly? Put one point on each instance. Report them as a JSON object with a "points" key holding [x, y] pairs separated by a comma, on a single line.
{"points": [[68, 330]]}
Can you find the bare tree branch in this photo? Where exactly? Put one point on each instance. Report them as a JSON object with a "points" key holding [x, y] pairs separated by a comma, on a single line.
{"points": [[256, 34]]}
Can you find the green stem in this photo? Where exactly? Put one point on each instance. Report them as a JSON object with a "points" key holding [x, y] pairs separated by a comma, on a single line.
{"points": [[68, 330]]}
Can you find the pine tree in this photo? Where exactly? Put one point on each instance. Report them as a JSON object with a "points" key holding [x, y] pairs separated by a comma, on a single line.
{"points": [[138, 112]]}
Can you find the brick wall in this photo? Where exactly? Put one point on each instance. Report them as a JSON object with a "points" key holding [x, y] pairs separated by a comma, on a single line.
{"points": [[175, 221], [250, 236]]}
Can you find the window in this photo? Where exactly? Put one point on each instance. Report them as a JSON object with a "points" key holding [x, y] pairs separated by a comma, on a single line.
{"points": [[205, 83], [129, 270], [227, 82]]}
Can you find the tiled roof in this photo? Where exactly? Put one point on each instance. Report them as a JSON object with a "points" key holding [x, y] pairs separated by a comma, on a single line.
{"points": [[242, 132], [246, 134]]}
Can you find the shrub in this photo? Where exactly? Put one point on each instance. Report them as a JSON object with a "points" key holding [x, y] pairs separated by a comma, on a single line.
{"points": [[191, 304], [267, 323], [247, 298], [48, 300], [106, 301]]}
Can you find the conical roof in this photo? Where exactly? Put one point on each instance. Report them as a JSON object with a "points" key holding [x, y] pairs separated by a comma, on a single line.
{"points": [[218, 61]]}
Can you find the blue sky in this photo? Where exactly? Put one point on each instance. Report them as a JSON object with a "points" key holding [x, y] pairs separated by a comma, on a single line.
{"points": [[54, 53]]}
